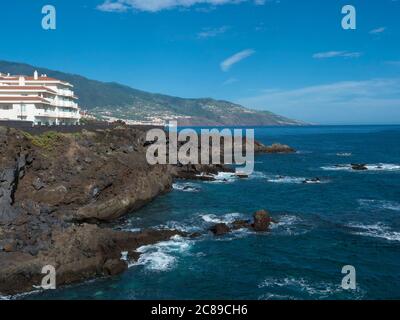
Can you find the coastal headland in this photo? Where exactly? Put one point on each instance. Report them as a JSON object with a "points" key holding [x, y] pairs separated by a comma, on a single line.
{"points": [[62, 192]]}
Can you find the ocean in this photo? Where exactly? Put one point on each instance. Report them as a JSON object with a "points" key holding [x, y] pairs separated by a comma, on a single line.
{"points": [[348, 218]]}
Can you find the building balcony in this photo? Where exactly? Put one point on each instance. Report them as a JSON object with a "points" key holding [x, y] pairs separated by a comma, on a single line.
{"points": [[61, 103], [66, 93]]}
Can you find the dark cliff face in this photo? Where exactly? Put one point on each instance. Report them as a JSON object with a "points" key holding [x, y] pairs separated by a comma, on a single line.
{"points": [[81, 176], [55, 189]]}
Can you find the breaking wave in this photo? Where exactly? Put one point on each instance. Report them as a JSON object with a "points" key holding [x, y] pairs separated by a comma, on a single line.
{"points": [[163, 255], [368, 167], [227, 218], [225, 177], [186, 187], [296, 180], [378, 230]]}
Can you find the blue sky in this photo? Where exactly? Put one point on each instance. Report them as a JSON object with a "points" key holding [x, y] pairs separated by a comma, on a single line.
{"points": [[288, 56]]}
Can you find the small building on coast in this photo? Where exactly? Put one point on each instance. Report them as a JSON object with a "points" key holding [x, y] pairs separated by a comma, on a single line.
{"points": [[38, 99]]}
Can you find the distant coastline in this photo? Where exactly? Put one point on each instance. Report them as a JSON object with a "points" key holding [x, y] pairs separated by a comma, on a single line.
{"points": [[114, 101]]}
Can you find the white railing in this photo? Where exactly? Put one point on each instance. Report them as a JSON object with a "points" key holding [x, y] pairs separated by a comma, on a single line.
{"points": [[59, 114], [62, 103], [64, 92]]}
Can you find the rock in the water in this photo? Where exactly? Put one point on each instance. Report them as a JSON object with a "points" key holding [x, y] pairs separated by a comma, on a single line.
{"points": [[312, 180], [275, 148], [359, 167], [113, 267], [194, 235], [262, 221], [220, 229], [279, 148], [241, 224]]}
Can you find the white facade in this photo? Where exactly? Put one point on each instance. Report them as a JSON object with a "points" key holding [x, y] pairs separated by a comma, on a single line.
{"points": [[39, 99]]}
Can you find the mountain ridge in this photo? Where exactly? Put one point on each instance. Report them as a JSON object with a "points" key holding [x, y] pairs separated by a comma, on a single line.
{"points": [[112, 101]]}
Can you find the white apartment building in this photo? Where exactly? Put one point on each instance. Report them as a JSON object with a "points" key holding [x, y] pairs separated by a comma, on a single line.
{"points": [[39, 99]]}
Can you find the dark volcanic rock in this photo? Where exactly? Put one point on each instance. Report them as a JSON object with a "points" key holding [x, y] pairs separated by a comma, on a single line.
{"points": [[261, 223], [274, 148], [195, 235], [38, 184], [220, 229], [114, 266], [77, 253], [359, 167], [277, 148], [241, 224], [262, 220]]}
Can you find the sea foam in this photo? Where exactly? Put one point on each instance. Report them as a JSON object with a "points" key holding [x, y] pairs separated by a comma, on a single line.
{"points": [[370, 167], [163, 255], [379, 204], [313, 289], [296, 180], [186, 187], [377, 230], [227, 218]]}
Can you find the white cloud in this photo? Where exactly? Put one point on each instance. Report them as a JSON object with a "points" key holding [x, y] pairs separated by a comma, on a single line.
{"points": [[228, 63], [336, 54], [110, 6], [209, 33], [158, 5], [375, 100], [378, 30]]}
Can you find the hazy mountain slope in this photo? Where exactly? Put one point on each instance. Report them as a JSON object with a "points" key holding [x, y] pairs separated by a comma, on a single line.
{"points": [[119, 101]]}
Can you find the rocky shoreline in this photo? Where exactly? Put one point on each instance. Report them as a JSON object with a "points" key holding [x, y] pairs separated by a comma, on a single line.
{"points": [[59, 192]]}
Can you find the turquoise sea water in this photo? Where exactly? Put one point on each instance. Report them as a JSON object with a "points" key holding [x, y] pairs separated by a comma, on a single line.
{"points": [[351, 218]]}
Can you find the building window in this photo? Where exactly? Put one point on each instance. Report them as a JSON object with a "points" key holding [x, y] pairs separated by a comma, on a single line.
{"points": [[6, 107]]}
